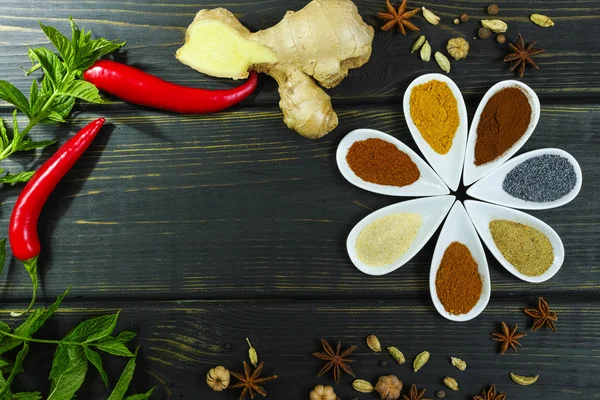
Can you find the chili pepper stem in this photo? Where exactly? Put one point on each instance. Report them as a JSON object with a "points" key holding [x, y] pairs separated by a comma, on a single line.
{"points": [[31, 267]]}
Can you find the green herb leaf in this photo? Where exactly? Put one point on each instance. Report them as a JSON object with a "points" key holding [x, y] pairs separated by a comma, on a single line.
{"points": [[121, 387], [29, 145], [21, 177], [125, 336], [4, 362], [82, 90], [61, 42], [115, 348], [96, 361], [54, 70], [26, 396], [61, 109], [142, 396], [13, 95], [4, 141], [71, 376], [17, 367], [88, 50], [93, 329], [2, 262]]}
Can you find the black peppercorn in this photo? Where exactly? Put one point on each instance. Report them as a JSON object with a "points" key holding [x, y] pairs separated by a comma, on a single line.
{"points": [[501, 39], [493, 9], [464, 17], [383, 363], [484, 33], [440, 394]]}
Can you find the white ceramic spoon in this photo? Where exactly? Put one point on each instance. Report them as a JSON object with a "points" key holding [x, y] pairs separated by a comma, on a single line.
{"points": [[490, 189], [432, 210], [472, 172], [429, 184], [448, 166], [482, 214], [458, 228]]}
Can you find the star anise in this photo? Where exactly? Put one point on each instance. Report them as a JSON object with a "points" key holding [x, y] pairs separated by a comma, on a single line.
{"points": [[543, 316], [400, 17], [335, 359], [508, 337], [414, 394], [490, 394], [521, 55], [251, 381]]}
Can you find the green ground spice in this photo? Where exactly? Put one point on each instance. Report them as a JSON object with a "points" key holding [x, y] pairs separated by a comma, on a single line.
{"points": [[525, 247], [387, 239]]}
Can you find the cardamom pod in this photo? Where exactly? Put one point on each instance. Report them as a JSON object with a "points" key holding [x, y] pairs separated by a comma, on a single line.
{"points": [[252, 354], [451, 383], [458, 363], [430, 16], [524, 380], [397, 354], [426, 52], [362, 386], [373, 343], [442, 61], [541, 20], [494, 25], [418, 44], [420, 360]]}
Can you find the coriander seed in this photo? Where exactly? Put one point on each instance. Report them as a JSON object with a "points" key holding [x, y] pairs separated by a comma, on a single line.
{"points": [[484, 33], [493, 9], [501, 39], [456, 21], [464, 17]]}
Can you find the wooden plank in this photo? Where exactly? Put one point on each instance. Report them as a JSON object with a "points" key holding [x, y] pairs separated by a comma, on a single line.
{"points": [[235, 205], [155, 29], [180, 341]]}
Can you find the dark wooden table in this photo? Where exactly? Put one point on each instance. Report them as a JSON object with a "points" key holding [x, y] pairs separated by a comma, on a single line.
{"points": [[205, 230]]}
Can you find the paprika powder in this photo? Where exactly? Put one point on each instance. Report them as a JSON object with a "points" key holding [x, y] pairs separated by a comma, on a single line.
{"points": [[458, 283], [381, 162], [503, 122]]}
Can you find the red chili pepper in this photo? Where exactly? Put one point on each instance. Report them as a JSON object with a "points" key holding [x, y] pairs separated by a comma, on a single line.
{"points": [[135, 86], [22, 232]]}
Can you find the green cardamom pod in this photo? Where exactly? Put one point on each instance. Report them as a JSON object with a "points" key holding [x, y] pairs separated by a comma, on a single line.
{"points": [[373, 343], [541, 20], [524, 380], [420, 360], [362, 386], [451, 383], [252, 354], [442, 61], [458, 363], [494, 25], [426, 52], [430, 16], [418, 44], [397, 354]]}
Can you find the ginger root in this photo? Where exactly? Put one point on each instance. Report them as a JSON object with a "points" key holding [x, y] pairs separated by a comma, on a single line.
{"points": [[323, 40]]}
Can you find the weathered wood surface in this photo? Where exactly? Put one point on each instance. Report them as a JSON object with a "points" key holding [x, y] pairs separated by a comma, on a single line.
{"points": [[207, 229]]}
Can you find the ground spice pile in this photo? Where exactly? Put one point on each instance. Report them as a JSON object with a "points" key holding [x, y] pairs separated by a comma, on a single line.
{"points": [[387, 239], [434, 110], [503, 122], [458, 283], [525, 247], [378, 161]]}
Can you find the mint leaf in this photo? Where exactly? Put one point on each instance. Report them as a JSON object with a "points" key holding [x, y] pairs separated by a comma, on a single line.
{"points": [[17, 367], [61, 108], [115, 348], [26, 396], [70, 378], [96, 361], [10, 93], [82, 90], [4, 141], [2, 262], [125, 336], [121, 387], [29, 145], [21, 177], [3, 362], [93, 329], [61, 42], [143, 396], [87, 50], [54, 70]]}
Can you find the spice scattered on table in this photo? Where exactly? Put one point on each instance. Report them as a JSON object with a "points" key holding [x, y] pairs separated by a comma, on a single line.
{"points": [[252, 354], [493, 9], [526, 248], [464, 17], [397, 354], [458, 283], [508, 337], [451, 383], [389, 387], [362, 386], [420, 360], [251, 382], [458, 363], [321, 392], [430, 16], [400, 18], [495, 25], [542, 316], [522, 55], [335, 359], [442, 61], [504, 120], [425, 52], [524, 380], [387, 239], [218, 378], [484, 33], [490, 394], [501, 39], [415, 394], [418, 44], [541, 179], [458, 48], [541, 20], [381, 162], [373, 343], [434, 110]]}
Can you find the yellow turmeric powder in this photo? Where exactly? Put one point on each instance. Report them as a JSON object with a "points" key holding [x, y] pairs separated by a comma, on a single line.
{"points": [[434, 110]]}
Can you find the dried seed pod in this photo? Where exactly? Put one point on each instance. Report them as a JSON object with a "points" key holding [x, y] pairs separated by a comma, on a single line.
{"points": [[252, 354], [458, 363], [484, 33], [493, 9], [524, 380], [373, 343], [420, 360], [360, 385], [218, 378], [397, 354], [456, 21], [451, 383], [501, 39], [430, 16], [541, 20], [464, 17], [458, 48], [426, 52], [418, 44], [442, 61], [321, 392], [389, 387], [494, 25]]}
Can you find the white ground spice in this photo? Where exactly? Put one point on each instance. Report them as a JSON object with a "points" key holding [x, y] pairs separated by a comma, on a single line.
{"points": [[387, 239]]}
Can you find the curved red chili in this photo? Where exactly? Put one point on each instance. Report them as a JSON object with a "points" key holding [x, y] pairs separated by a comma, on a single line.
{"points": [[135, 86], [22, 232]]}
